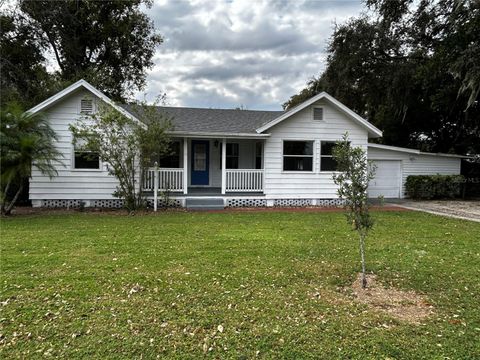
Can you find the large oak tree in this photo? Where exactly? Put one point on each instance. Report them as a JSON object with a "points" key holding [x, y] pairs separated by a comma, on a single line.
{"points": [[24, 76], [109, 43], [412, 69]]}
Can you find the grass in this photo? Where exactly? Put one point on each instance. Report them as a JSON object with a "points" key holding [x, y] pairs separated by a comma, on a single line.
{"points": [[232, 285]]}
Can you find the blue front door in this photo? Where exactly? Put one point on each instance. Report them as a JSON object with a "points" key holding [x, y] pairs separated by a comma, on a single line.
{"points": [[200, 163]]}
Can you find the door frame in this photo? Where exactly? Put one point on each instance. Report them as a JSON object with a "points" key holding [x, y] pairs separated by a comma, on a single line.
{"points": [[192, 162]]}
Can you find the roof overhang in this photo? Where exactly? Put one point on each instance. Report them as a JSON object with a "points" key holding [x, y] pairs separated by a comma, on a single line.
{"points": [[373, 131], [74, 87], [416, 152], [209, 135]]}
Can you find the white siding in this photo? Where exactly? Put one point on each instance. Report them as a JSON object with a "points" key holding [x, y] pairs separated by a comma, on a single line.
{"points": [[70, 183], [301, 126], [414, 164]]}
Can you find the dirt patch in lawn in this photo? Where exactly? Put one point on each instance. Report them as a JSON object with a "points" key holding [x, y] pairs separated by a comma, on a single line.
{"points": [[407, 306]]}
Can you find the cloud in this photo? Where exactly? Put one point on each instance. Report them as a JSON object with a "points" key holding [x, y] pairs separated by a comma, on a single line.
{"points": [[227, 53]]}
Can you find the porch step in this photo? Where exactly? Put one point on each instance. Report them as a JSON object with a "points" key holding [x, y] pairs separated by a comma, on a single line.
{"points": [[204, 204]]}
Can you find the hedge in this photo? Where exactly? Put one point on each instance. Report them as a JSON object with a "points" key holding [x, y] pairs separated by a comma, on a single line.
{"points": [[434, 186]]}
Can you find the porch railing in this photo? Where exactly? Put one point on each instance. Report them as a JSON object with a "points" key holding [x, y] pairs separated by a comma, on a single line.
{"points": [[168, 180], [244, 180]]}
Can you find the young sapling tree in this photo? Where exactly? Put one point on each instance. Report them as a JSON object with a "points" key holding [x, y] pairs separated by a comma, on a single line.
{"points": [[353, 174]]}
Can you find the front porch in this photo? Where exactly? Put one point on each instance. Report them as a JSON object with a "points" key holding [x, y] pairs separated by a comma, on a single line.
{"points": [[208, 168], [207, 192]]}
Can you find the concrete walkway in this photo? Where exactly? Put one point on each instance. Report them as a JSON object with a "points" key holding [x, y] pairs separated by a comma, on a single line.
{"points": [[460, 209]]}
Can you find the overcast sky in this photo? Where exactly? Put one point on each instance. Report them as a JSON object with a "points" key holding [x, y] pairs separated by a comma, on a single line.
{"points": [[223, 54]]}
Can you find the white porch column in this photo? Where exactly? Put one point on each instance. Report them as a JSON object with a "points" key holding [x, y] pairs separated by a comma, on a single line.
{"points": [[224, 164], [155, 187], [185, 165]]}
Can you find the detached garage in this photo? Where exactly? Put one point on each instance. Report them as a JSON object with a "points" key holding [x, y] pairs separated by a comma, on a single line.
{"points": [[395, 164]]}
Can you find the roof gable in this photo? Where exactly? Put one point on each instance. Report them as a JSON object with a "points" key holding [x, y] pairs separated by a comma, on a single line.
{"points": [[213, 121], [372, 130], [74, 87]]}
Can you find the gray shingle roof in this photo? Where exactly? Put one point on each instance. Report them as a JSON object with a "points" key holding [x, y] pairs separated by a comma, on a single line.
{"points": [[187, 119]]}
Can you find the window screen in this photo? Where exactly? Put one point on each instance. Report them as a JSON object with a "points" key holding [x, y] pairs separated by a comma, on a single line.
{"points": [[232, 156], [172, 159], [258, 155], [298, 155], [85, 159], [327, 163], [318, 113]]}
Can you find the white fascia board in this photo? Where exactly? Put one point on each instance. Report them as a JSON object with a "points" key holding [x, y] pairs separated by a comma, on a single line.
{"points": [[58, 96], [81, 83], [217, 135], [394, 148], [417, 152], [323, 95]]}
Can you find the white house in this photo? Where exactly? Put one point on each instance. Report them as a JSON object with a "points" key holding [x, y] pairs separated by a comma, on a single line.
{"points": [[231, 157]]}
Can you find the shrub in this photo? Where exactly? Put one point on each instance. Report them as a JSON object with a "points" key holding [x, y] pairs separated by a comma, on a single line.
{"points": [[434, 186]]}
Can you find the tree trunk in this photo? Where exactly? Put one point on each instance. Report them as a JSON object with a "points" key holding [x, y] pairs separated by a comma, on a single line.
{"points": [[4, 197], [9, 207], [362, 254], [141, 196]]}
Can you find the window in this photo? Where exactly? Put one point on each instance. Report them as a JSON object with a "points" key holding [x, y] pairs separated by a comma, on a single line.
{"points": [[232, 156], [298, 155], [86, 106], [172, 158], [200, 157], [327, 163], [85, 159], [317, 113], [258, 155]]}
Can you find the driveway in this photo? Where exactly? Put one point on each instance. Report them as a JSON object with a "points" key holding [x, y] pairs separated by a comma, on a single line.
{"points": [[469, 210]]}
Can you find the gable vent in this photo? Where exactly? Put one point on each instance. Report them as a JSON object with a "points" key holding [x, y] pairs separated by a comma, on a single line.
{"points": [[318, 113], [86, 106]]}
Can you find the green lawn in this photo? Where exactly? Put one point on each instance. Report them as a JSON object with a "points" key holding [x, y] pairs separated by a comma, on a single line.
{"points": [[111, 286]]}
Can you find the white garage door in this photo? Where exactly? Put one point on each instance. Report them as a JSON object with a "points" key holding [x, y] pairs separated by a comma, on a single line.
{"points": [[387, 181]]}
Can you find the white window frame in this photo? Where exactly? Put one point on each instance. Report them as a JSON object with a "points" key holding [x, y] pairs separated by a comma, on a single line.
{"points": [[233, 156], [180, 155], [262, 145], [72, 162], [323, 113], [322, 156], [312, 156]]}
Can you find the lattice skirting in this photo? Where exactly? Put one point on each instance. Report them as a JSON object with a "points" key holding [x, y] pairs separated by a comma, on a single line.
{"points": [[330, 202], [307, 202], [110, 203], [161, 203], [106, 203], [61, 203], [174, 203], [246, 202], [292, 202]]}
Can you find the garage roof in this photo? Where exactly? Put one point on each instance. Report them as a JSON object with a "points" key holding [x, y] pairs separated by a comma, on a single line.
{"points": [[417, 152]]}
